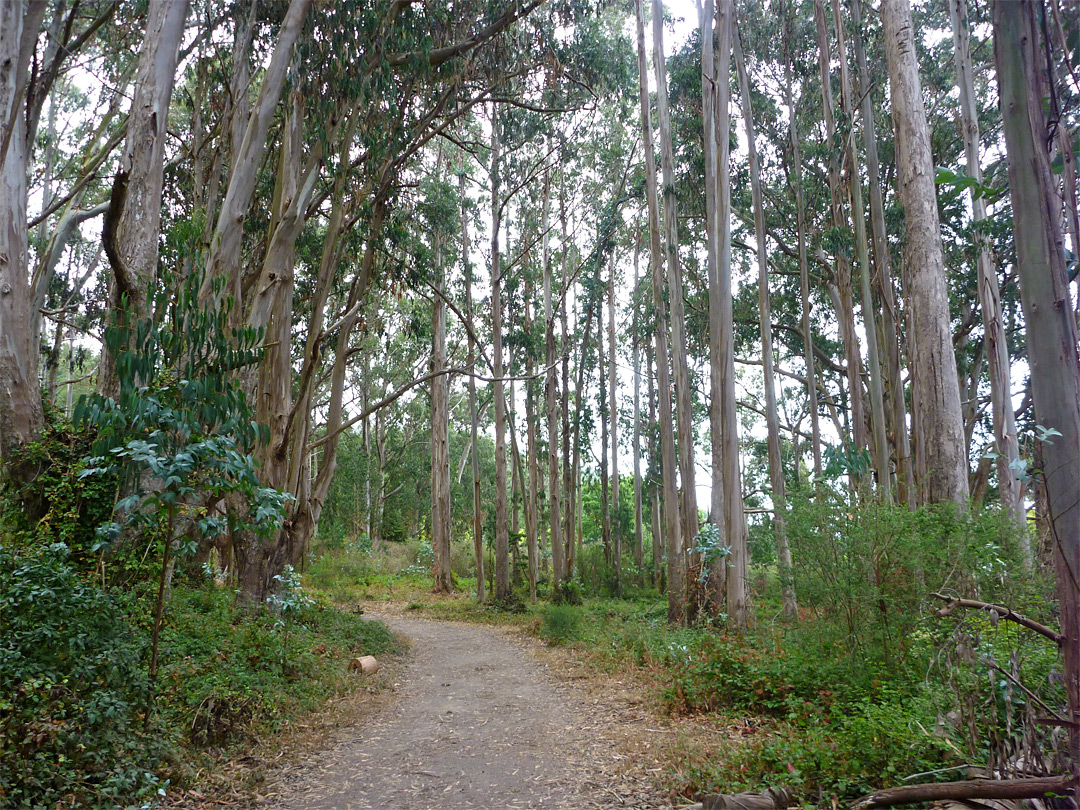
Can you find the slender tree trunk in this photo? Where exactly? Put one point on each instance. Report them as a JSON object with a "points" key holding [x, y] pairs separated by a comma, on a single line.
{"points": [[942, 457], [879, 443], [639, 544], [1051, 333], [474, 438], [440, 433], [551, 397], [223, 260], [843, 303], [997, 349], [804, 266], [502, 529], [734, 514], [894, 388], [714, 94], [684, 415], [672, 524], [569, 482], [21, 415], [532, 499], [616, 534], [603, 412], [772, 417], [133, 222], [655, 465]]}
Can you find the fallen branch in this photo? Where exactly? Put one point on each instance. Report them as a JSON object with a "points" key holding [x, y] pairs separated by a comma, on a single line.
{"points": [[772, 799], [952, 603], [1033, 788]]}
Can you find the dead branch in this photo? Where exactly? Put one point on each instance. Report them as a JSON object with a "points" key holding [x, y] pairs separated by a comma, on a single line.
{"points": [[1003, 612], [1031, 788]]}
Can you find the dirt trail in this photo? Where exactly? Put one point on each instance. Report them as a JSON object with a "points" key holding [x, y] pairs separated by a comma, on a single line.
{"points": [[476, 723]]}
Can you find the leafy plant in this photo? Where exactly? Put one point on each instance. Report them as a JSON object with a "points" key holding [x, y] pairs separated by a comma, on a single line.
{"points": [[73, 691], [179, 432], [288, 602]]}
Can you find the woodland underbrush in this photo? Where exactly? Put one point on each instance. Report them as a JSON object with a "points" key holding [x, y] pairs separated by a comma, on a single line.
{"points": [[82, 721]]}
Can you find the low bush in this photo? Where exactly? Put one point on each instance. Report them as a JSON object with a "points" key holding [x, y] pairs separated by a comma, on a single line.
{"points": [[561, 624], [73, 691]]}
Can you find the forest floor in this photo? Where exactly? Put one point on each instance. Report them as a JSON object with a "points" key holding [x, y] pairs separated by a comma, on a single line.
{"points": [[476, 716]]}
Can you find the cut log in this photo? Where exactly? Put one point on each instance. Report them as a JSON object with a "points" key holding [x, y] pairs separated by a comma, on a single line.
{"points": [[772, 799], [365, 665], [1032, 788]]}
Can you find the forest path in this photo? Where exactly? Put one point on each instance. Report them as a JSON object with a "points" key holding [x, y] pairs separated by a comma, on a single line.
{"points": [[477, 722]]}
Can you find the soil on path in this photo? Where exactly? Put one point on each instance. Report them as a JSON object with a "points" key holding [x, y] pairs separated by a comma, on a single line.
{"points": [[476, 723]]}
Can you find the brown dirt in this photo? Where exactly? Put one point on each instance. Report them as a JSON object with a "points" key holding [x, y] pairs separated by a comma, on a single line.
{"points": [[484, 718]]}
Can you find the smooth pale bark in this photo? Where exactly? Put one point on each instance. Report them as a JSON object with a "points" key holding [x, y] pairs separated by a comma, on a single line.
{"points": [[654, 467], [502, 528], [223, 261], [474, 430], [133, 220], [603, 412], [996, 343], [737, 562], [896, 407], [639, 544], [551, 407], [843, 302], [714, 93], [672, 524], [772, 417], [21, 413], [616, 534], [804, 265], [941, 458], [440, 433], [532, 494], [879, 445], [569, 482], [1051, 335], [680, 372]]}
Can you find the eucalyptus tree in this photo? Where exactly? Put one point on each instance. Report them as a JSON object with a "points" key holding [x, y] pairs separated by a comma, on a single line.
{"points": [[1020, 55], [672, 523], [684, 416], [941, 458], [989, 292]]}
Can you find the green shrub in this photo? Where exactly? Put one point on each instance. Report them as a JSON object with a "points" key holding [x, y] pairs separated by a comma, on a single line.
{"points": [[561, 624], [73, 691]]}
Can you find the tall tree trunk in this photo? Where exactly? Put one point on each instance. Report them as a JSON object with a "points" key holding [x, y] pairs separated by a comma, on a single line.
{"points": [[603, 413], [804, 266], [440, 433], [133, 221], [532, 497], [569, 482], [878, 433], [734, 514], [616, 534], [21, 415], [551, 397], [684, 415], [502, 529], [1051, 330], [474, 430], [639, 543], [672, 524], [843, 302], [714, 94], [223, 261], [941, 452], [894, 389], [997, 349], [772, 417], [655, 464]]}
